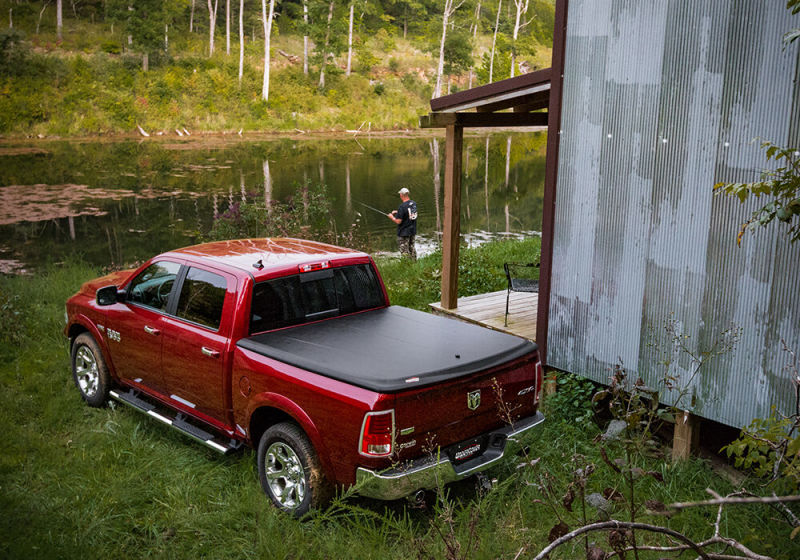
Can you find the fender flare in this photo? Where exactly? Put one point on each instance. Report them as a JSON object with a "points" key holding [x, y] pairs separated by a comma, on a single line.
{"points": [[92, 329], [298, 415]]}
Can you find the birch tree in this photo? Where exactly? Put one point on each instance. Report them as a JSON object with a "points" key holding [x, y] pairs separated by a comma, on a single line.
{"points": [[228, 27], [350, 41], [191, 17], [450, 8], [305, 37], [267, 18], [494, 40], [59, 18], [241, 40], [522, 9], [212, 24], [325, 46]]}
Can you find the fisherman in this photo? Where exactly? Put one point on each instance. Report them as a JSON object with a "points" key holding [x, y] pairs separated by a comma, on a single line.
{"points": [[406, 219]]}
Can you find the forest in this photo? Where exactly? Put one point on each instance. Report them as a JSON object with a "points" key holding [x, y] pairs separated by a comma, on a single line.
{"points": [[115, 67]]}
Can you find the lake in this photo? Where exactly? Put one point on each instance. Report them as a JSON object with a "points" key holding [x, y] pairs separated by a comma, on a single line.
{"points": [[118, 203]]}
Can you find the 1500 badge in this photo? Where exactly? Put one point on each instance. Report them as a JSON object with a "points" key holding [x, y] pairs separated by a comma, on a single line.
{"points": [[111, 334]]}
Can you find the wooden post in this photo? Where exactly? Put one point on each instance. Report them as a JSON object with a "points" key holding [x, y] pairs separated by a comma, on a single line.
{"points": [[452, 215], [686, 436]]}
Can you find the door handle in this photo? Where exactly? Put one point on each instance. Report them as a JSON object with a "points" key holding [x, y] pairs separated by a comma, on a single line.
{"points": [[151, 330], [209, 352]]}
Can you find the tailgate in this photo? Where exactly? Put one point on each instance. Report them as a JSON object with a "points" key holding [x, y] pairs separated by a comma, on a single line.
{"points": [[454, 416]]}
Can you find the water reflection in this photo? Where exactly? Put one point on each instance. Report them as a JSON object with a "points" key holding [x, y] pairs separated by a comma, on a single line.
{"points": [[120, 203]]}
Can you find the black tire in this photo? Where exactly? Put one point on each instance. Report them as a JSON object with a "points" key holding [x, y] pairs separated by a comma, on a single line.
{"points": [[89, 370], [290, 472]]}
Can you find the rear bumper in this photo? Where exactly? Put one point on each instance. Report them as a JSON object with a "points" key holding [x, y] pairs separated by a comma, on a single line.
{"points": [[430, 472]]}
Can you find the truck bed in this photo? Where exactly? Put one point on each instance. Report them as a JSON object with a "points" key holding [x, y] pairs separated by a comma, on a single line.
{"points": [[391, 349]]}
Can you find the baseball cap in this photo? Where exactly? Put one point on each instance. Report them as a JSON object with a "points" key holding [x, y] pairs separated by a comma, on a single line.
{"points": [[403, 191]]}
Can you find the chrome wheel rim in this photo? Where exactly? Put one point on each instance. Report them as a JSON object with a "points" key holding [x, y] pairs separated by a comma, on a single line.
{"points": [[285, 475], [86, 371]]}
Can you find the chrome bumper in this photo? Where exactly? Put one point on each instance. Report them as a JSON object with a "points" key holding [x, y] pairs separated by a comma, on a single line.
{"points": [[431, 472]]}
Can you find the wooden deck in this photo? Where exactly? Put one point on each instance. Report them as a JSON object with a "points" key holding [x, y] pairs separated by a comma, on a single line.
{"points": [[489, 310]]}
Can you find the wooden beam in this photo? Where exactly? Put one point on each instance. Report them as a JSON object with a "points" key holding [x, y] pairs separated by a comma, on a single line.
{"points": [[551, 176], [454, 141], [482, 120], [686, 436]]}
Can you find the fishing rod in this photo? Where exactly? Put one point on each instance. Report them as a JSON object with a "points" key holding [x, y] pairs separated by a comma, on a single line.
{"points": [[381, 212]]}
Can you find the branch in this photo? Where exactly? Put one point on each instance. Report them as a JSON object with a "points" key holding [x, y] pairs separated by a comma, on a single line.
{"points": [[613, 524], [729, 500]]}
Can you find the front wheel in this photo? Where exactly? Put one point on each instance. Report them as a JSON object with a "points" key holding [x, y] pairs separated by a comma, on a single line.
{"points": [[89, 370], [289, 470]]}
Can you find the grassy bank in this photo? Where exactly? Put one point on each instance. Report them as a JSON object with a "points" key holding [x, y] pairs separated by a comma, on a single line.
{"points": [[84, 483], [91, 81]]}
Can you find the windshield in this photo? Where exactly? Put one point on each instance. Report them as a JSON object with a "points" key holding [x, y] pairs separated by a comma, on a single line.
{"points": [[310, 296]]}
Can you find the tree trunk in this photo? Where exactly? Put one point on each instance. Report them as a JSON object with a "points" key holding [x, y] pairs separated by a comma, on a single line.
{"points": [[350, 42], [145, 62], [522, 9], [11, 18], [191, 18], [212, 24], [41, 13], [448, 11], [477, 20], [325, 47], [267, 39], [494, 40], [59, 18], [166, 38], [241, 40], [305, 38], [228, 27]]}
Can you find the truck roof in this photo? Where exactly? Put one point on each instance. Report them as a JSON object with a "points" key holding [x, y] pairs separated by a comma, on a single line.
{"points": [[263, 257]]}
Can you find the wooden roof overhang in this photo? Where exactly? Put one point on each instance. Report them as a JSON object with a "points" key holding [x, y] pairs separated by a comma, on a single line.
{"points": [[481, 107]]}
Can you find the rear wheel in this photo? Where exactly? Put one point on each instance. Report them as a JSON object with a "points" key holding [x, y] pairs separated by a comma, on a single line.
{"points": [[289, 470], [89, 370]]}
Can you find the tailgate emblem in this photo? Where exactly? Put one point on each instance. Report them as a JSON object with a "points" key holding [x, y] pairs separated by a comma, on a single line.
{"points": [[474, 399]]}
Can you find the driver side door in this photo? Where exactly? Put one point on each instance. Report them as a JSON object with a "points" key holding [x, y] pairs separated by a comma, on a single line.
{"points": [[134, 329]]}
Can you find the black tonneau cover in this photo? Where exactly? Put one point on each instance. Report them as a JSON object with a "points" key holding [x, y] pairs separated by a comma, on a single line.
{"points": [[384, 350]]}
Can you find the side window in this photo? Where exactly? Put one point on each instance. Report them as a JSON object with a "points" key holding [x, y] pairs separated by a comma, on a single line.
{"points": [[152, 286], [202, 297]]}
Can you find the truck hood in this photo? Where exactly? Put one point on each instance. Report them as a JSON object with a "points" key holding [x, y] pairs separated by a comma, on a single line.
{"points": [[112, 279], [391, 349]]}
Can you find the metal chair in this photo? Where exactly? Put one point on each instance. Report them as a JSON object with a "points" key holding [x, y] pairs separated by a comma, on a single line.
{"points": [[520, 278]]}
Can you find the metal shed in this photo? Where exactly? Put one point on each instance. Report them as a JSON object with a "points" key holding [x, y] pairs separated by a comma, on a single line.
{"points": [[660, 101], [650, 103]]}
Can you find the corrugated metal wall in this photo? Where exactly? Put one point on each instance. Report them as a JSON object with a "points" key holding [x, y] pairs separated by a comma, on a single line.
{"points": [[661, 100]]}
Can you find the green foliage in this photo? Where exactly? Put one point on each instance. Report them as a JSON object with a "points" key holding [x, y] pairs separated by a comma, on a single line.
{"points": [[14, 51], [501, 69], [457, 52], [782, 185], [417, 284], [770, 446], [572, 401], [305, 213]]}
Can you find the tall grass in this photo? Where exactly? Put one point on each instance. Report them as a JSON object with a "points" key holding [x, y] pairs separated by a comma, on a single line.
{"points": [[77, 482]]}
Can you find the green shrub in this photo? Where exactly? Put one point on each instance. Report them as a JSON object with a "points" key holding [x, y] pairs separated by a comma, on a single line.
{"points": [[111, 47], [14, 51], [572, 401]]}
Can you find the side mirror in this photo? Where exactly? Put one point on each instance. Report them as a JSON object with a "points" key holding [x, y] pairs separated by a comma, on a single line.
{"points": [[109, 295]]}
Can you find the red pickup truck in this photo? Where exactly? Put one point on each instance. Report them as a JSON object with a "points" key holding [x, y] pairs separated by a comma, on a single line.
{"points": [[291, 346]]}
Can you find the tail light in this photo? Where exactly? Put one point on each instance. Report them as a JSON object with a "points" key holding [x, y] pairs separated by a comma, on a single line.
{"points": [[377, 434]]}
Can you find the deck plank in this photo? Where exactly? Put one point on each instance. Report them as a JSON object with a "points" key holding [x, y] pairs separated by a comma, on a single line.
{"points": [[489, 310]]}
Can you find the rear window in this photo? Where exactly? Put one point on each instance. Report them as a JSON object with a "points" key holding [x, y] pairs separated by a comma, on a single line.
{"points": [[302, 298]]}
